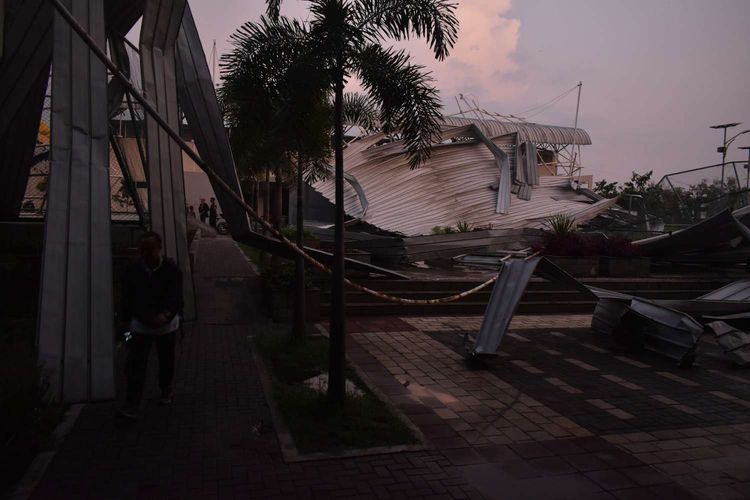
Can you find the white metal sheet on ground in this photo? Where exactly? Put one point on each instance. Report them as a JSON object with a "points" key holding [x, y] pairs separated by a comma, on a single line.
{"points": [[734, 342], [506, 294]]}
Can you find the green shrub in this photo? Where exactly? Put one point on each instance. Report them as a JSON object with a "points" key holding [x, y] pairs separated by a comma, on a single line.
{"points": [[28, 415], [463, 227], [290, 233], [560, 224], [442, 230], [618, 247], [281, 276]]}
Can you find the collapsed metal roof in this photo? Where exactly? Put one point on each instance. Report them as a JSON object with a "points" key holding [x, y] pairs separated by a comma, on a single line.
{"points": [[458, 183], [532, 132]]}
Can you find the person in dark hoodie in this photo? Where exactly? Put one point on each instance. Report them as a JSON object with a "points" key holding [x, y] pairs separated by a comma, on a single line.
{"points": [[152, 303]]}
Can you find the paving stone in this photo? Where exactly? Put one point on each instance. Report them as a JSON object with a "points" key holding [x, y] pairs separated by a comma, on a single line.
{"points": [[611, 479]]}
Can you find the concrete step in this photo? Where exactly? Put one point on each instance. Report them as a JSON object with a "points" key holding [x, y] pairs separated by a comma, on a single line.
{"points": [[483, 296], [538, 284], [458, 308], [541, 297]]}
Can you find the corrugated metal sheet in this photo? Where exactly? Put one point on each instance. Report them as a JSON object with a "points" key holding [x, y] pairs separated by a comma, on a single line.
{"points": [[737, 291], [734, 341], [506, 294], [452, 186], [533, 132]]}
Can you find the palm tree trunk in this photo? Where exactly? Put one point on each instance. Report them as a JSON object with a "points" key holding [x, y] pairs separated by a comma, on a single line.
{"points": [[267, 201], [298, 325], [337, 328], [277, 203]]}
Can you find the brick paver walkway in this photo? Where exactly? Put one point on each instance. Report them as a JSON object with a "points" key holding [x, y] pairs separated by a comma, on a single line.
{"points": [[547, 385], [216, 440], [555, 416]]}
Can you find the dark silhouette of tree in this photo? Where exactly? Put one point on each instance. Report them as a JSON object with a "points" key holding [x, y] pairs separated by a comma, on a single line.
{"points": [[347, 36]]}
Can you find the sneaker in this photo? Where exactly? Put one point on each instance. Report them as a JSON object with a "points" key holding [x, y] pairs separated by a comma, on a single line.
{"points": [[127, 413]]}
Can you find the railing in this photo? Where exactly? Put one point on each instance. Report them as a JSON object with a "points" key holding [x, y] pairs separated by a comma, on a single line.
{"points": [[693, 195]]}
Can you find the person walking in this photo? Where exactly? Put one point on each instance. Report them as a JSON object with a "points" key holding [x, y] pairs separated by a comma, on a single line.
{"points": [[213, 213], [203, 210], [152, 303]]}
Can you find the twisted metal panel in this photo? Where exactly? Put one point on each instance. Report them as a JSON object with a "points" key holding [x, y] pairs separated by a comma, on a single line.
{"points": [[24, 72], [75, 328]]}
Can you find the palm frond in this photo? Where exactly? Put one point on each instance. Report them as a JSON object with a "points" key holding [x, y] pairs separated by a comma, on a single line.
{"points": [[408, 102], [273, 8], [335, 33], [274, 94], [360, 111], [265, 47], [433, 20], [317, 170]]}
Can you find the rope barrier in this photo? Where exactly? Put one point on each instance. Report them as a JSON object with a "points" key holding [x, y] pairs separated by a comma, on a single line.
{"points": [[148, 107]]}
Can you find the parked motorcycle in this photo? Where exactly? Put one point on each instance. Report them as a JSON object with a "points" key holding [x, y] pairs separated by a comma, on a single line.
{"points": [[221, 225]]}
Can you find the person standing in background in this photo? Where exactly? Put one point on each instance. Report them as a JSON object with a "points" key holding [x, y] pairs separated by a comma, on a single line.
{"points": [[203, 210], [213, 213]]}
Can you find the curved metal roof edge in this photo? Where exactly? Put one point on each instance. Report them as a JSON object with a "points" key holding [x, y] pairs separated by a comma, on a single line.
{"points": [[534, 132]]}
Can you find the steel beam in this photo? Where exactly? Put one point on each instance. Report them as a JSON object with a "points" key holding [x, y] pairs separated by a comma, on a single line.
{"points": [[198, 102], [24, 72]]}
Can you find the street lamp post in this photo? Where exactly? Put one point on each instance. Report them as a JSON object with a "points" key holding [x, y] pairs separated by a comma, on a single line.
{"points": [[723, 148], [747, 167]]}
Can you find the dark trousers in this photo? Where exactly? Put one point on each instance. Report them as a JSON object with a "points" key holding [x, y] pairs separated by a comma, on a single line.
{"points": [[139, 349]]}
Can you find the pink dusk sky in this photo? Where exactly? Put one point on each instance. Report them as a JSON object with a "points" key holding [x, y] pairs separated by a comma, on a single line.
{"points": [[655, 73]]}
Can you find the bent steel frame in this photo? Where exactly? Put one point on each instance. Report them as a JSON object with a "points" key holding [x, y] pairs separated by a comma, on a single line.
{"points": [[75, 337]]}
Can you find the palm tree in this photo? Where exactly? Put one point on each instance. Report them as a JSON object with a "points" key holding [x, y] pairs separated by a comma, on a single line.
{"points": [[347, 37], [280, 122]]}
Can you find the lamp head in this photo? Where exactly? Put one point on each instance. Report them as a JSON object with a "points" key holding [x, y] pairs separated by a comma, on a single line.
{"points": [[726, 125]]}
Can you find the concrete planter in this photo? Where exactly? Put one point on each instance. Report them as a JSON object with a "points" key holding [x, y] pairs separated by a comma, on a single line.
{"points": [[280, 303], [582, 267], [620, 267]]}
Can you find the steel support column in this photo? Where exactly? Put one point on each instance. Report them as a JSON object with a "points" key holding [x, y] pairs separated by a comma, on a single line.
{"points": [[75, 325], [159, 30], [198, 102]]}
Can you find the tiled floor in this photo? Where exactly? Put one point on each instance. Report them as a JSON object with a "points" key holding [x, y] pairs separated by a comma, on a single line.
{"points": [[557, 382], [557, 414]]}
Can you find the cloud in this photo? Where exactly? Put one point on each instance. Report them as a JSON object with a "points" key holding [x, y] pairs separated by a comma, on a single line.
{"points": [[482, 63]]}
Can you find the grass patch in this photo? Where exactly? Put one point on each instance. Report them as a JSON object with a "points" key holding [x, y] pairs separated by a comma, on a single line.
{"points": [[28, 417], [364, 421], [252, 253]]}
